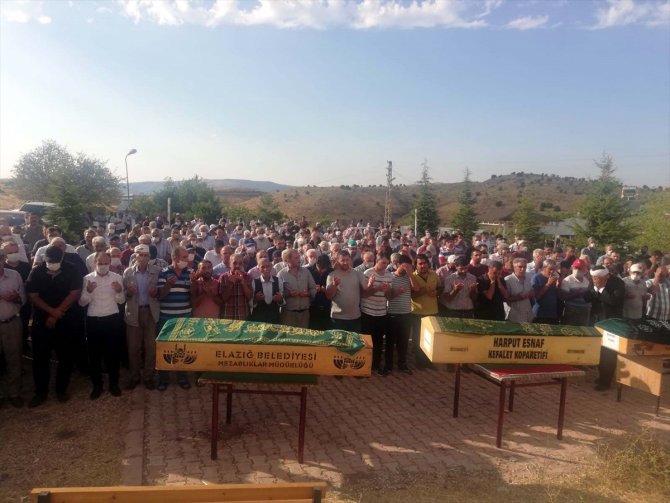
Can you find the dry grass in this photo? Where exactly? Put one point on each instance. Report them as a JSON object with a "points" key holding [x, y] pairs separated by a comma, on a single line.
{"points": [[79, 443], [632, 468]]}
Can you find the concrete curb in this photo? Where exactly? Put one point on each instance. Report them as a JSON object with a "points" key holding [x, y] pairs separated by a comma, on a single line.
{"points": [[133, 459]]}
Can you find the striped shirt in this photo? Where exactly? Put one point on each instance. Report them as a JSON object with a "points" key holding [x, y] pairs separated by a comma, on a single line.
{"points": [[375, 304], [177, 303], [401, 304], [658, 307]]}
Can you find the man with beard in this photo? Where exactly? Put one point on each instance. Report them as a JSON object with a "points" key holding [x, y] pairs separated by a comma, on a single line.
{"points": [[207, 299], [425, 291], [459, 291], [492, 293], [343, 288]]}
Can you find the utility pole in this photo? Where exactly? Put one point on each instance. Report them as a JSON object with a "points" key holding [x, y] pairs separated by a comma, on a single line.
{"points": [[388, 218]]}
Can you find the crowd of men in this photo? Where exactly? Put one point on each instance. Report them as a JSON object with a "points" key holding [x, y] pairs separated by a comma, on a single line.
{"points": [[100, 303]]}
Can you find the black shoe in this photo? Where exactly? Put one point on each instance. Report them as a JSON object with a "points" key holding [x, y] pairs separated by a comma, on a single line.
{"points": [[162, 386], [602, 387], [36, 401], [149, 384], [114, 390], [62, 397], [386, 372], [184, 384], [131, 385], [16, 401], [95, 394], [406, 370]]}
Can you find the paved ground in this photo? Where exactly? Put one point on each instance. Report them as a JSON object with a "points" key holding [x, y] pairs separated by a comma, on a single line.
{"points": [[358, 427]]}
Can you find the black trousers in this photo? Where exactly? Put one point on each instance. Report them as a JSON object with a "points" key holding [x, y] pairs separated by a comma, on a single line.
{"points": [[376, 326], [319, 318], [45, 340], [607, 366], [104, 336], [397, 337]]}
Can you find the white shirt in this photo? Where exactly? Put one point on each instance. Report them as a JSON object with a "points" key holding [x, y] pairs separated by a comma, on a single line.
{"points": [[213, 257], [39, 255], [103, 300]]}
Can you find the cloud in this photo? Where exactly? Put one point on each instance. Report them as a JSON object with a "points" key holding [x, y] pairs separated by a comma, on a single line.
{"points": [[23, 11], [626, 12], [314, 14], [528, 22]]}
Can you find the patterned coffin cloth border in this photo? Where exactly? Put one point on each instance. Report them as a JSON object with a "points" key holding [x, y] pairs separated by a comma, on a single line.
{"points": [[250, 332], [502, 328], [654, 331]]}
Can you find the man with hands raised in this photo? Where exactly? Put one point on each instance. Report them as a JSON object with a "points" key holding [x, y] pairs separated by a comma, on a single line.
{"points": [[102, 292]]}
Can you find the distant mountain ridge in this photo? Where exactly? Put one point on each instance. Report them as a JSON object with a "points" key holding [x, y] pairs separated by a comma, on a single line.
{"points": [[142, 188]]}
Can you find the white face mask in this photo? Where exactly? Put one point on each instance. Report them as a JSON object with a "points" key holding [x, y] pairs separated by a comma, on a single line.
{"points": [[53, 266], [12, 257], [182, 264], [102, 269], [116, 261]]}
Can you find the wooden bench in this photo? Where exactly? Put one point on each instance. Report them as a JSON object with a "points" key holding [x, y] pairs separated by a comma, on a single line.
{"points": [[519, 376], [230, 379], [301, 492]]}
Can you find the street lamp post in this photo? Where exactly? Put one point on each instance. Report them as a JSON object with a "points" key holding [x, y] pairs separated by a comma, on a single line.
{"points": [[131, 152]]}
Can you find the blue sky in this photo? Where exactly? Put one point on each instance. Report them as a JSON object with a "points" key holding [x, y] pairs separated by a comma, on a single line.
{"points": [[326, 92]]}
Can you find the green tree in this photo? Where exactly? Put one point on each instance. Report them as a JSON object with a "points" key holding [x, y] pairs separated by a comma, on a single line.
{"points": [[426, 207], [267, 211], [39, 175], [76, 183], [465, 218], [237, 212], [653, 222], [192, 197], [526, 223], [606, 216]]}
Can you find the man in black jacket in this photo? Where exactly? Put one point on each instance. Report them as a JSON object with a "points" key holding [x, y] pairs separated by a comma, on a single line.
{"points": [[607, 297]]}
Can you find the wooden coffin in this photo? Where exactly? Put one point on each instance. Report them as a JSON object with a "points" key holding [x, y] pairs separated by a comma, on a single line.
{"points": [[452, 340], [636, 338], [204, 344]]}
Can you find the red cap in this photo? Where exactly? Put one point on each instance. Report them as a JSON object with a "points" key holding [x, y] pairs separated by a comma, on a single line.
{"points": [[579, 264]]}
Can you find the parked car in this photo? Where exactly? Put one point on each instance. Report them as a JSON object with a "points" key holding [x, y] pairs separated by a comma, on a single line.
{"points": [[36, 207], [14, 217]]}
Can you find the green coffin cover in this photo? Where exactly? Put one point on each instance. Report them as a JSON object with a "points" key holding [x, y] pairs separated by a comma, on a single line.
{"points": [[251, 332], [648, 330], [490, 327]]}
